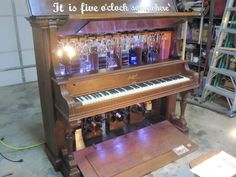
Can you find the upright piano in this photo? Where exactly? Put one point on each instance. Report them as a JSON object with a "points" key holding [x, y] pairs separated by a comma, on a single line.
{"points": [[93, 71]]}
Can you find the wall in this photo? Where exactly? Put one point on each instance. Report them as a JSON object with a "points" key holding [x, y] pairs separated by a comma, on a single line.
{"points": [[16, 47]]}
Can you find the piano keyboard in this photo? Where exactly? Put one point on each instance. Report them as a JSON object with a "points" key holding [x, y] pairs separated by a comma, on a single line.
{"points": [[128, 90]]}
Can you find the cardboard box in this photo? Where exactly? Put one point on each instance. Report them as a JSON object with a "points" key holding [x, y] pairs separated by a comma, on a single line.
{"points": [[196, 33], [215, 163]]}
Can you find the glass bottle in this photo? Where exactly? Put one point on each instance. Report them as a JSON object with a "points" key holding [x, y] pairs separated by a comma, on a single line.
{"points": [[118, 53], [85, 63], [152, 51], [93, 57], [133, 58], [145, 53], [110, 60]]}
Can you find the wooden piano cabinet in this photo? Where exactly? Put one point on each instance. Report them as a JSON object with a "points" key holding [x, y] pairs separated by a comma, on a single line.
{"points": [[141, 151], [42, 34]]}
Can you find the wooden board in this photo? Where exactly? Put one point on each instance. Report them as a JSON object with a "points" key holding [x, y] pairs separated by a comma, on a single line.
{"points": [[134, 154], [95, 8], [203, 158]]}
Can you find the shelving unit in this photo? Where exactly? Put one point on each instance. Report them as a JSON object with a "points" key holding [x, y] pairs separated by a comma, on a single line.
{"points": [[202, 48]]}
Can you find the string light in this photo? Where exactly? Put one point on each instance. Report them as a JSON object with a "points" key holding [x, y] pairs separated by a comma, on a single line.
{"points": [[68, 50]]}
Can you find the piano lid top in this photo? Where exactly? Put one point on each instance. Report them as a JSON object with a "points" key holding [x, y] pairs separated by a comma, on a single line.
{"points": [[109, 15]]}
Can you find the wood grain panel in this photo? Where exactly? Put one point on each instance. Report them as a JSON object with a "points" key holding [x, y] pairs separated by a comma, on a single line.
{"points": [[48, 7], [130, 154]]}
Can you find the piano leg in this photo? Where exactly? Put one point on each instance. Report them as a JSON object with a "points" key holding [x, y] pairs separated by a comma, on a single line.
{"points": [[170, 105], [180, 122], [69, 166]]}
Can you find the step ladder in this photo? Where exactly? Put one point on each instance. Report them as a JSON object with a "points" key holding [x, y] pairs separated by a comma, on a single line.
{"points": [[219, 68]]}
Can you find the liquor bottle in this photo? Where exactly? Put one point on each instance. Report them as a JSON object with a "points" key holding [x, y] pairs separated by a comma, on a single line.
{"points": [[118, 54], [119, 117], [133, 58], [111, 61], [124, 114], [92, 128], [137, 108], [85, 62], [93, 57], [98, 119], [145, 53], [152, 53], [113, 117], [138, 49]]}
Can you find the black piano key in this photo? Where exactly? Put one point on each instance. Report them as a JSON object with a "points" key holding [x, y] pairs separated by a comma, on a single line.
{"points": [[128, 88], [135, 86], [80, 98], [174, 78], [90, 97], [142, 85], [155, 82], [115, 91], [120, 89], [179, 77], [167, 79], [110, 91], [161, 80], [94, 95], [105, 93], [99, 94], [86, 97], [76, 99], [148, 83], [125, 88]]}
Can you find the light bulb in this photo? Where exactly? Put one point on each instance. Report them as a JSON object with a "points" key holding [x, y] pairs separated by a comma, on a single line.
{"points": [[59, 53], [70, 51]]}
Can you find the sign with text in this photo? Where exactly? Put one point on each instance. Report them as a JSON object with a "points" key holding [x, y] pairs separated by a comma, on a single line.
{"points": [[66, 7]]}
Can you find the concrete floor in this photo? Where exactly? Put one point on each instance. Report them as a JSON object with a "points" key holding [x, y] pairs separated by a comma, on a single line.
{"points": [[21, 125]]}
